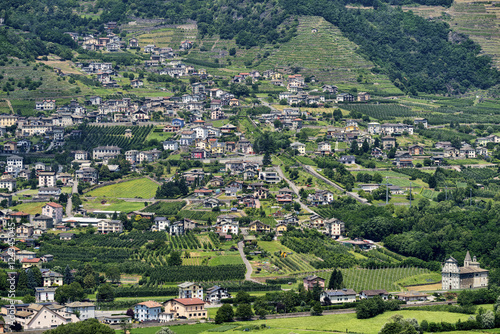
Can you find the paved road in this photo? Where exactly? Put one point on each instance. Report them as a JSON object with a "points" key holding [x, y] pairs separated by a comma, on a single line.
{"points": [[294, 188], [248, 274], [69, 205]]}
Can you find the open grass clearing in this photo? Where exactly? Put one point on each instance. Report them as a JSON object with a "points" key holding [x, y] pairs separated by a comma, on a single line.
{"points": [[111, 205], [343, 322], [31, 208], [139, 188]]}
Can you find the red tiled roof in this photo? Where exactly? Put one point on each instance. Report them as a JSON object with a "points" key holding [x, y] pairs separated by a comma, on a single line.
{"points": [[54, 205], [150, 304], [35, 260], [189, 301], [20, 213]]}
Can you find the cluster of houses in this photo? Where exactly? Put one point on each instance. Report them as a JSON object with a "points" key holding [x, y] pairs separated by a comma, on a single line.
{"points": [[46, 313]]}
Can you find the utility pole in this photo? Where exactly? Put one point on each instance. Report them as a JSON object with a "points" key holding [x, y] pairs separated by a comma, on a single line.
{"points": [[386, 190], [470, 197], [410, 194], [446, 192]]}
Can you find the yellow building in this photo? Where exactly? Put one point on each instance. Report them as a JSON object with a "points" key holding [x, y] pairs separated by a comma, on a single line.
{"points": [[258, 226], [7, 120], [280, 228], [299, 147], [277, 76], [27, 263], [191, 308]]}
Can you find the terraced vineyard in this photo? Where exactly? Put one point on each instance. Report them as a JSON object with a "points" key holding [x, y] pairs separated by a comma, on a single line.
{"points": [[477, 19], [382, 111], [370, 279], [328, 55], [167, 37], [293, 263]]}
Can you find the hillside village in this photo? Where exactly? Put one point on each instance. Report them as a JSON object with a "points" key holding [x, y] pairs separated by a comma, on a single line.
{"points": [[271, 190]]}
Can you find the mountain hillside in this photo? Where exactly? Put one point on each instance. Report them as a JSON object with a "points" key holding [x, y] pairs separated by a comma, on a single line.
{"points": [[417, 55], [477, 19]]}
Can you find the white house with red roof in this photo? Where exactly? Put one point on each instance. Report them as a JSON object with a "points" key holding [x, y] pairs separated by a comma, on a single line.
{"points": [[147, 311], [54, 211]]}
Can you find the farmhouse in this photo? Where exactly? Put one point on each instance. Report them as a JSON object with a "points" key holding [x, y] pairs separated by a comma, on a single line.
{"points": [[313, 280], [328, 297], [372, 293]]}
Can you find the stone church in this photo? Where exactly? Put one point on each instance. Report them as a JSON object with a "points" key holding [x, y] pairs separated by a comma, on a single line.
{"points": [[470, 276]]}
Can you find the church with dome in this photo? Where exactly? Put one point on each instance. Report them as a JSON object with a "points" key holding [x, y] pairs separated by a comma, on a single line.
{"points": [[470, 276]]}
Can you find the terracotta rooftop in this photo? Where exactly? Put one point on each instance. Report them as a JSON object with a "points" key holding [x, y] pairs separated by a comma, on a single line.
{"points": [[54, 205], [189, 301], [150, 304]]}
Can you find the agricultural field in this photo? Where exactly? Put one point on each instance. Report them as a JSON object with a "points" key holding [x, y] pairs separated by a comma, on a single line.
{"points": [[382, 112], [112, 136], [275, 266], [139, 188], [390, 279], [343, 322], [199, 215], [334, 58], [166, 208], [225, 259], [111, 204], [165, 37]]}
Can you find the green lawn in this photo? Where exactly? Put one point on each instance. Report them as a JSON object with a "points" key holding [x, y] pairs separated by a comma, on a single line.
{"points": [[140, 188], [160, 136], [420, 279], [322, 324], [219, 123], [343, 322]]}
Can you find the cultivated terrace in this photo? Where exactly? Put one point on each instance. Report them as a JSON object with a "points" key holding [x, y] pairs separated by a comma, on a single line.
{"points": [[200, 166]]}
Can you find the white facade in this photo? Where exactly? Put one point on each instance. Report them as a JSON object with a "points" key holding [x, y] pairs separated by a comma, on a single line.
{"points": [[147, 311], [85, 309]]}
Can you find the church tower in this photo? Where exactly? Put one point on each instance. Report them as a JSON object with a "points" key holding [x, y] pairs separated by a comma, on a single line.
{"points": [[467, 260]]}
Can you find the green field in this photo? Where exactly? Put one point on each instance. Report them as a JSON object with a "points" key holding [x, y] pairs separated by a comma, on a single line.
{"points": [[343, 322], [182, 329], [111, 205], [420, 279], [31, 208], [340, 323], [226, 259], [160, 136], [140, 188]]}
